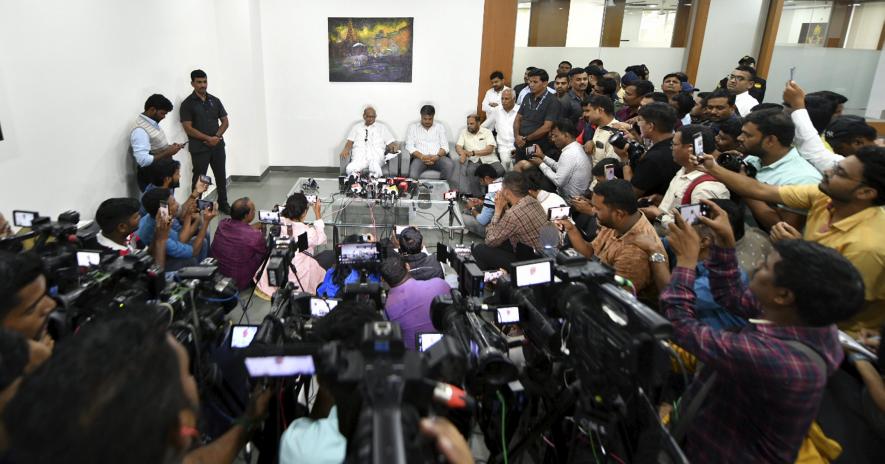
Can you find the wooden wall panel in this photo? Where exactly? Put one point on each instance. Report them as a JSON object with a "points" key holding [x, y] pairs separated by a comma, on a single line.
{"points": [[498, 38], [766, 50], [696, 45], [548, 25], [612, 23]]}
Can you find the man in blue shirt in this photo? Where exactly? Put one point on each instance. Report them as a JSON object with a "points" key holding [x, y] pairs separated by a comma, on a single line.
{"points": [[476, 219], [185, 246]]}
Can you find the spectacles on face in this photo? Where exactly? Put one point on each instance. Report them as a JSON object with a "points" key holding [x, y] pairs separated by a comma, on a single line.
{"points": [[840, 172], [732, 77]]}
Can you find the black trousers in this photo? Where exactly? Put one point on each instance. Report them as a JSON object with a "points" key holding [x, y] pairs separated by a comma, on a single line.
{"points": [[216, 158], [143, 176], [490, 258]]}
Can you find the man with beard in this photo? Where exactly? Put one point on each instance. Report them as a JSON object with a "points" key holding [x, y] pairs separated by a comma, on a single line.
{"points": [[578, 83], [120, 365], [720, 108], [560, 86], [536, 115], [25, 303], [188, 241], [475, 146], [492, 98], [767, 136], [617, 211], [428, 145], [147, 141], [167, 174], [844, 212], [571, 173], [633, 93]]}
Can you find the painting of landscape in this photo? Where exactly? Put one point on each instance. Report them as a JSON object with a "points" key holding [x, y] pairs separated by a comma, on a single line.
{"points": [[370, 49]]}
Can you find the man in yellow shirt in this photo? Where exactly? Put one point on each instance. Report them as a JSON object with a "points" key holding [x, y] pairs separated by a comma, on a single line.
{"points": [[844, 212]]}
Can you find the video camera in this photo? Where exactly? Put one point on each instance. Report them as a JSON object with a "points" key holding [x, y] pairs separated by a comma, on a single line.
{"points": [[635, 150]]}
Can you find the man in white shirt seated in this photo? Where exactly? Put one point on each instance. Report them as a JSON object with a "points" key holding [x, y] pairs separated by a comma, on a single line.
{"points": [[118, 218], [572, 173], [739, 84], [367, 143], [428, 146], [492, 98], [501, 120], [475, 146], [689, 186]]}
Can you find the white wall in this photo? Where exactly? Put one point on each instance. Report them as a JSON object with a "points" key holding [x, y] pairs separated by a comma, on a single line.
{"points": [[660, 61], [76, 75], [308, 117], [866, 26], [523, 17], [876, 103], [731, 29], [584, 24]]}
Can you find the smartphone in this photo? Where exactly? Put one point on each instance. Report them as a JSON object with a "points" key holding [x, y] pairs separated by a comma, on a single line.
{"points": [[204, 204], [558, 212], [699, 147], [793, 73], [206, 179], [311, 199], [450, 195], [609, 171], [426, 340], [280, 366], [530, 151], [164, 209], [495, 186], [491, 276], [692, 212], [241, 335], [508, 315], [23, 218], [319, 307], [268, 217], [643, 202], [88, 259]]}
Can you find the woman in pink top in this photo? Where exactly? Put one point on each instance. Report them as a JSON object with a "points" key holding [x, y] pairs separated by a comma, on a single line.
{"points": [[310, 273]]}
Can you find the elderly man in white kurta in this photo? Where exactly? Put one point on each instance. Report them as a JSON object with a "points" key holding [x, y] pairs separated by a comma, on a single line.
{"points": [[367, 143]]}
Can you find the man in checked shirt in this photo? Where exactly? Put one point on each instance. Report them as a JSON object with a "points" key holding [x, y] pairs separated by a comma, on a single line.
{"points": [[769, 375]]}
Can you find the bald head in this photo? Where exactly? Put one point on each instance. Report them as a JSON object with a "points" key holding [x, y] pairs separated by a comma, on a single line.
{"points": [[369, 115], [242, 209]]}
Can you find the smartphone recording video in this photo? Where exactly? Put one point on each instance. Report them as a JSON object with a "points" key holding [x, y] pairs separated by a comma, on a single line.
{"points": [[692, 212], [491, 276], [558, 212], [609, 171], [530, 151], [699, 147], [427, 339], [206, 179], [495, 186], [450, 195], [319, 307], [311, 199], [241, 335], [268, 217], [357, 253], [204, 205], [164, 210], [280, 366]]}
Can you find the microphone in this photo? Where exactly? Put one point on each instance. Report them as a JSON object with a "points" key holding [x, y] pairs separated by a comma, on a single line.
{"points": [[451, 396]]}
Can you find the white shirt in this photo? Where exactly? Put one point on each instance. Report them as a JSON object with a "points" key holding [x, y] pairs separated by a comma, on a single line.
{"points": [[427, 141], [705, 190], [492, 96], [525, 91], [809, 145], [571, 173], [370, 139], [502, 121], [108, 243], [744, 103], [686, 120], [550, 200]]}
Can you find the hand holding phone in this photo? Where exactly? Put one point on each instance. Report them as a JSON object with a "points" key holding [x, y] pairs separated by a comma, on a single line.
{"points": [[699, 147], [164, 209], [206, 179]]}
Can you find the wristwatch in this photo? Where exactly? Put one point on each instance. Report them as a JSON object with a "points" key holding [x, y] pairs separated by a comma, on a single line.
{"points": [[657, 258]]}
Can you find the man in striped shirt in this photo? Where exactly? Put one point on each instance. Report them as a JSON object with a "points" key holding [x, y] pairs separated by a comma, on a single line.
{"points": [[428, 145]]}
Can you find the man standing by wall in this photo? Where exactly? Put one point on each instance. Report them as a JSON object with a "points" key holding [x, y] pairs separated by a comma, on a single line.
{"points": [[148, 141], [200, 115]]}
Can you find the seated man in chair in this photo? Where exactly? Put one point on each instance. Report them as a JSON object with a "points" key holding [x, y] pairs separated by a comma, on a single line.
{"points": [[428, 146], [367, 144]]}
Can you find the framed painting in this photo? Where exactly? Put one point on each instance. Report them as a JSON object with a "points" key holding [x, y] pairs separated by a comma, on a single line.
{"points": [[370, 49]]}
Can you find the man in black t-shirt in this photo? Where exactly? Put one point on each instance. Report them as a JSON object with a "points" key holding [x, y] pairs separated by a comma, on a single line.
{"points": [[651, 175], [537, 113], [200, 114]]}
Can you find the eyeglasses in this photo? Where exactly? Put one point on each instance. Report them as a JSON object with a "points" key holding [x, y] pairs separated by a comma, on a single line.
{"points": [[839, 171], [732, 77]]}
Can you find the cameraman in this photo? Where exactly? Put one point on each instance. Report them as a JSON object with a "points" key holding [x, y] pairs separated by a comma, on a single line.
{"points": [[25, 304], [476, 221], [120, 391], [409, 299], [651, 174], [238, 246], [421, 265], [764, 383]]}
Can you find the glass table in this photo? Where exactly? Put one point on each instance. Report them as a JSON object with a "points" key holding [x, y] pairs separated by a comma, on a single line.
{"points": [[348, 214]]}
